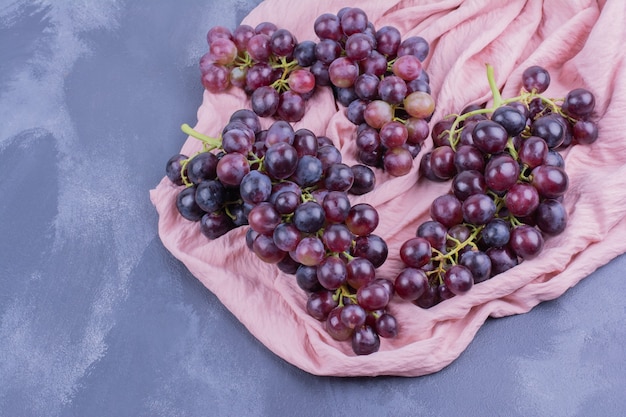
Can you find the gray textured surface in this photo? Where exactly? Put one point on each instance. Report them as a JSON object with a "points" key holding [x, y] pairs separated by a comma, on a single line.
{"points": [[98, 319]]}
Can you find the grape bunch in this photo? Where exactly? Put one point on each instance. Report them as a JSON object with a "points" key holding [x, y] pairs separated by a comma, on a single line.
{"points": [[375, 74], [292, 190], [380, 80], [267, 62], [508, 180]]}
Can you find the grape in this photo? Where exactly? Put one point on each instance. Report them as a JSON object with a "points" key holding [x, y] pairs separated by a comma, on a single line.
{"points": [[301, 81], [216, 78], [353, 315], [282, 42], [259, 47], [393, 134], [372, 296], [328, 26], [345, 95], [478, 209], [358, 46], [550, 181], [392, 89], [386, 326], [305, 142], [579, 103], [360, 272], [467, 183], [332, 273], [215, 224], [522, 200], [174, 168], [415, 252], [533, 152], [210, 195], [362, 219], [366, 86], [223, 51], [309, 217], [287, 265], [310, 251], [398, 161], [365, 341], [411, 283], [339, 177], [364, 180], [231, 169], [510, 118], [335, 327], [281, 160], [585, 132], [308, 171], [241, 36], [419, 104], [264, 218], [549, 129], [259, 75], [417, 130], [202, 167], [187, 206], [343, 72], [447, 210], [526, 241], [551, 217], [429, 298], [377, 113], [291, 106], [502, 259], [306, 278], [388, 40], [501, 172], [353, 20], [327, 51], [337, 238], [286, 237], [442, 162], [266, 250], [375, 64], [407, 67], [458, 279], [264, 101], [286, 202], [535, 79], [329, 155], [371, 247], [414, 45], [238, 140], [218, 32], [490, 137], [468, 158], [439, 133], [320, 304], [478, 263], [434, 232], [336, 206], [496, 233]]}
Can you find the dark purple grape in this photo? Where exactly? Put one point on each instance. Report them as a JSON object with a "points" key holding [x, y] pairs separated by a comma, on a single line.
{"points": [[173, 168], [364, 179], [458, 279], [202, 167], [310, 251], [281, 160], [291, 106], [510, 118], [187, 206], [392, 89], [332, 273], [335, 327], [522, 199], [429, 298], [502, 259], [358, 46], [309, 217], [533, 152], [266, 250], [372, 247], [388, 39], [442, 162], [416, 252], [585, 132], [372, 296], [306, 278], [336, 206], [468, 157], [386, 326], [414, 45], [411, 283], [579, 103], [353, 20], [549, 129], [264, 218], [550, 181], [215, 224], [375, 64], [496, 233], [286, 237], [489, 136], [447, 210], [467, 183], [362, 219], [478, 263], [365, 341], [535, 79], [551, 217], [264, 101], [308, 172], [328, 26], [353, 316], [501, 172], [360, 272], [337, 237], [339, 177], [526, 241], [329, 155], [366, 86], [478, 209], [320, 304], [210, 195], [434, 232]]}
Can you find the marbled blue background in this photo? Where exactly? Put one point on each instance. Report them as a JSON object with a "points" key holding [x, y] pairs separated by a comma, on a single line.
{"points": [[98, 319]]}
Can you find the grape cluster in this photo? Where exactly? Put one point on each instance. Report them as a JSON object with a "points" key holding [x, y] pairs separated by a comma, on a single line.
{"points": [[380, 80], [507, 185], [375, 74], [267, 62], [292, 189]]}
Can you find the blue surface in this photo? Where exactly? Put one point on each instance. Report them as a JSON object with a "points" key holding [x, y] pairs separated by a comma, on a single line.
{"points": [[98, 319]]}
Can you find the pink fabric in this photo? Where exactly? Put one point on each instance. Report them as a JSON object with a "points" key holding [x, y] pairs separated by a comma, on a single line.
{"points": [[581, 43]]}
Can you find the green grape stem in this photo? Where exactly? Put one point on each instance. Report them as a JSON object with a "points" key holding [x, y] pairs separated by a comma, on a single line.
{"points": [[498, 101], [209, 142]]}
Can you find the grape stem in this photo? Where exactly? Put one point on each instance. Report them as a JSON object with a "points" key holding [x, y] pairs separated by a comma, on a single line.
{"points": [[211, 143]]}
